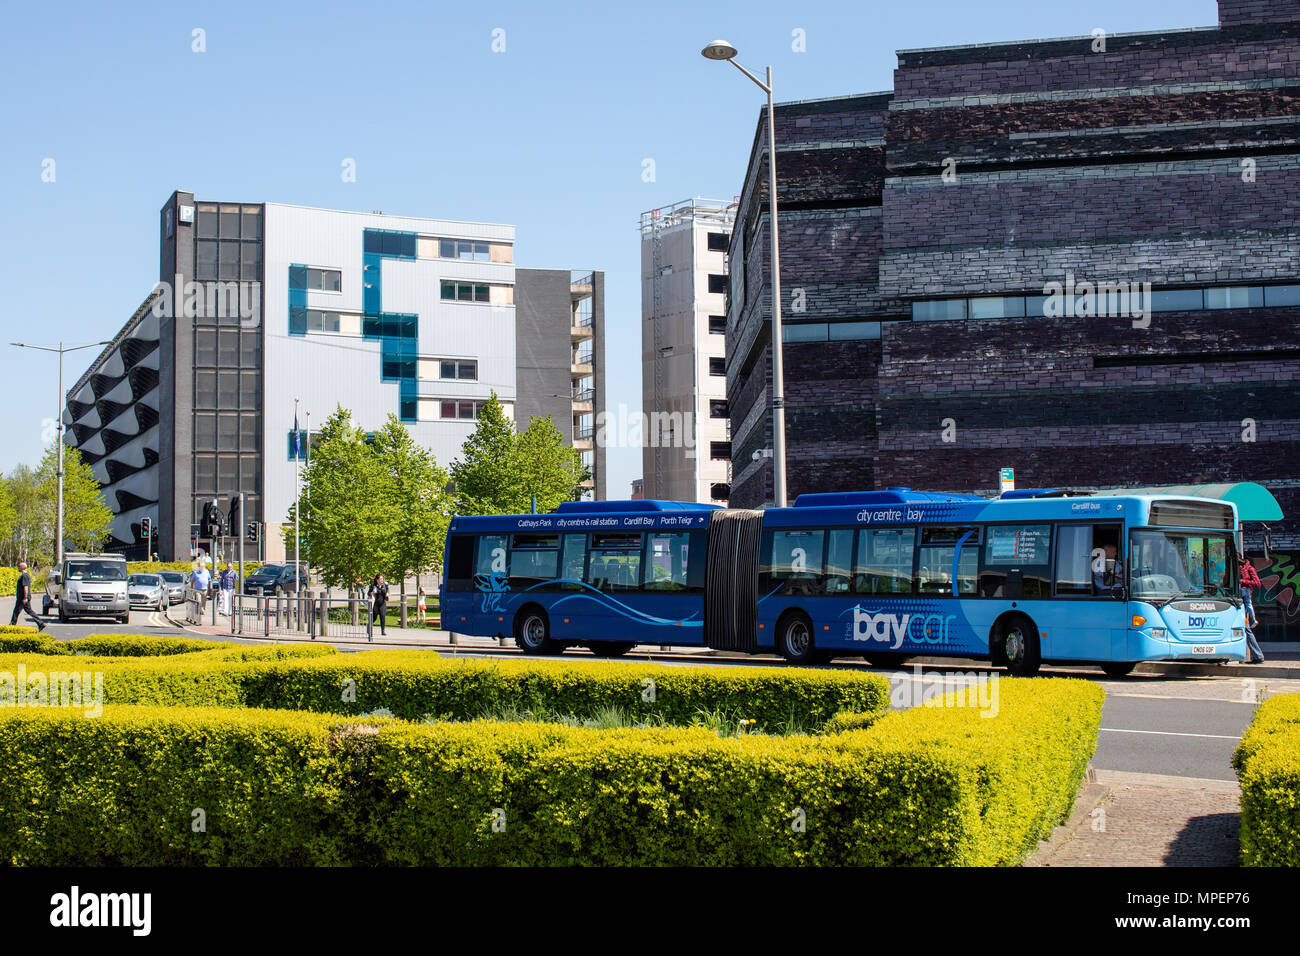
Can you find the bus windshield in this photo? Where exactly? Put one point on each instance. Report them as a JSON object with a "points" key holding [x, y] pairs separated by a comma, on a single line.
{"points": [[96, 571], [1175, 564]]}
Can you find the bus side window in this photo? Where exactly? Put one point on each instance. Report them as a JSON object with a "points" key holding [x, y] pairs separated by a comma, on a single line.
{"points": [[668, 560], [839, 560], [884, 561], [615, 563], [534, 560], [460, 562], [573, 561], [935, 565], [492, 555], [797, 560]]}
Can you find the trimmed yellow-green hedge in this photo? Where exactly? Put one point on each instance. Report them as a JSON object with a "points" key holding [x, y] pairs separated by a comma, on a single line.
{"points": [[1268, 766], [416, 684], [30, 641], [930, 786]]}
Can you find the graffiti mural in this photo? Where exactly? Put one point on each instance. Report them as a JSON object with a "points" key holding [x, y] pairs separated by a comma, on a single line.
{"points": [[1280, 576]]}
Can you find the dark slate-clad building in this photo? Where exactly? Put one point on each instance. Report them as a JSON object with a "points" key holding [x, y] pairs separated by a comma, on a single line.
{"points": [[1077, 258]]}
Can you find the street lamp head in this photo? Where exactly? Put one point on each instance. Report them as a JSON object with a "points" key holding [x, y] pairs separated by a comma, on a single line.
{"points": [[718, 50]]}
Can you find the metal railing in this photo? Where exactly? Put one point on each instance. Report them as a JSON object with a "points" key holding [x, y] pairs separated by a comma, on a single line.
{"points": [[303, 616]]}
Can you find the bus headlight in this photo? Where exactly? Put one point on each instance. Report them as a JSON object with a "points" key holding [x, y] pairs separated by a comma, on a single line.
{"points": [[1238, 632], [1158, 633]]}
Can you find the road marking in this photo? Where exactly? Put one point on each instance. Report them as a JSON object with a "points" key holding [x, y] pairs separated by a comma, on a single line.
{"points": [[1168, 733]]}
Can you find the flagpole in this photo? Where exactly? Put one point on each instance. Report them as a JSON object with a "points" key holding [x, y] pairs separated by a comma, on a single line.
{"points": [[297, 491]]}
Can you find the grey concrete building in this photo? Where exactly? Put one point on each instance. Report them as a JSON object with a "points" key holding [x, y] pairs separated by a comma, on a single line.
{"points": [[560, 358], [686, 453]]}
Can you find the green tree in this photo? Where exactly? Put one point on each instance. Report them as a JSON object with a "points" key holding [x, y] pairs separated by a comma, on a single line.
{"points": [[346, 516], [8, 516], [501, 470], [547, 467], [30, 540], [86, 516], [486, 482], [414, 492]]}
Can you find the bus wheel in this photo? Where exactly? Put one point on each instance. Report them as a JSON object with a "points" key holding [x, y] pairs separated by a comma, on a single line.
{"points": [[796, 639], [886, 660], [533, 633], [610, 648], [1118, 668], [1019, 647]]}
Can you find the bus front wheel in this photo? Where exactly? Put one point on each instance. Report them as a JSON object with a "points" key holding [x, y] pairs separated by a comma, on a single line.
{"points": [[533, 633], [795, 640], [1018, 643]]}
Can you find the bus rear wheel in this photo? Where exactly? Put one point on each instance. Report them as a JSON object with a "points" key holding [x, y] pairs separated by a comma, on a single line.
{"points": [[1019, 649], [1118, 668], [610, 648], [533, 633], [795, 639]]}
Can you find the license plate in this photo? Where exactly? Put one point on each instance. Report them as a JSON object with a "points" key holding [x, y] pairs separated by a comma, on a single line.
{"points": [[1204, 649], [99, 607]]}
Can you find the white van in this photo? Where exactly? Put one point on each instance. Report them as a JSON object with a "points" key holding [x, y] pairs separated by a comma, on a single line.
{"points": [[91, 585]]}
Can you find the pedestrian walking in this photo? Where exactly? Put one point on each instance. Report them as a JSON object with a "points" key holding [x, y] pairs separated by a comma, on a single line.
{"points": [[227, 589], [201, 582], [23, 598], [1249, 583], [420, 605], [378, 603]]}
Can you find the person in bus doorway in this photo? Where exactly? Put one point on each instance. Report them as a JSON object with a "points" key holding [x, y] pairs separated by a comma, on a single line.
{"points": [[378, 603], [1108, 571], [1249, 582], [23, 598]]}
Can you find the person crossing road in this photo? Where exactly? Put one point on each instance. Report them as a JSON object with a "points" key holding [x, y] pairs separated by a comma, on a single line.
{"points": [[23, 598]]}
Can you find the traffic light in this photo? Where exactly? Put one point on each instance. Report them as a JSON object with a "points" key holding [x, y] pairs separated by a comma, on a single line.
{"points": [[235, 517], [212, 519], [146, 530], [252, 531]]}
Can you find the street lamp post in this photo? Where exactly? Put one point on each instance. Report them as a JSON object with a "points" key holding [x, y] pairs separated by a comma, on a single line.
{"points": [[722, 50], [58, 520]]}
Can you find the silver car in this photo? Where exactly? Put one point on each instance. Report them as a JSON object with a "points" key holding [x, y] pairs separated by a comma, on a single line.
{"points": [[175, 582], [147, 590]]}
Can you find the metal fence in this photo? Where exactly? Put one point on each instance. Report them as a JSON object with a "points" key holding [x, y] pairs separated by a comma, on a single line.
{"points": [[303, 616]]}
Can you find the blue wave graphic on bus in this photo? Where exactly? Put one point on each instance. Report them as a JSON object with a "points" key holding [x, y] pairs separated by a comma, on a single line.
{"points": [[600, 597], [493, 587]]}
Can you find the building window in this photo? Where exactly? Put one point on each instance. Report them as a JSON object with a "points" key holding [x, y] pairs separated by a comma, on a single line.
{"points": [[717, 283], [717, 366], [720, 450], [318, 321], [465, 291], [464, 249], [324, 280], [458, 369], [718, 241], [938, 310], [717, 409], [461, 409], [717, 325]]}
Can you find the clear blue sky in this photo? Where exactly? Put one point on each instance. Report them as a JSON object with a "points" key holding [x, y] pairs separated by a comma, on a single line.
{"points": [[549, 135]]}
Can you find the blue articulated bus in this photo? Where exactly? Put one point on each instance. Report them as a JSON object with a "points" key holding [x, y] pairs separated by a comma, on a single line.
{"points": [[1033, 576]]}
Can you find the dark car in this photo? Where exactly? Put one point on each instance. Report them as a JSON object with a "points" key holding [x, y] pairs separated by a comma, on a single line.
{"points": [[271, 579]]}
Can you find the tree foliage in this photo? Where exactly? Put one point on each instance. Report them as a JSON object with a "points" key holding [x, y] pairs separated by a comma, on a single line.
{"points": [[86, 516], [370, 506], [501, 469]]}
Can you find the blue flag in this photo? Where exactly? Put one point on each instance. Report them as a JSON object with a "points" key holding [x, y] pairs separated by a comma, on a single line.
{"points": [[297, 437]]}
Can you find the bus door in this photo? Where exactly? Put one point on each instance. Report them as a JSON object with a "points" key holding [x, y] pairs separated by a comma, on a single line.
{"points": [[673, 570], [1089, 619]]}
